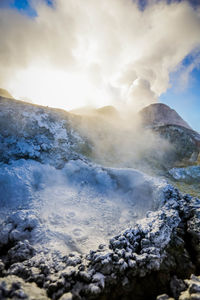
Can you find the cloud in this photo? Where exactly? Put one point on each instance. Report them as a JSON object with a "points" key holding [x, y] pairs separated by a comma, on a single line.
{"points": [[182, 77], [125, 53]]}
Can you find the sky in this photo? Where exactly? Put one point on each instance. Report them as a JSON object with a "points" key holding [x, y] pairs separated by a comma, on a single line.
{"points": [[119, 52], [185, 100]]}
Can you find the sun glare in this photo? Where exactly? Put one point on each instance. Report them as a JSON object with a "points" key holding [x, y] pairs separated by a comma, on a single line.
{"points": [[53, 88]]}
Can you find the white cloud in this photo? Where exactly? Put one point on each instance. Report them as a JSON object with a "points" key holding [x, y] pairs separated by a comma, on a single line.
{"points": [[124, 53]]}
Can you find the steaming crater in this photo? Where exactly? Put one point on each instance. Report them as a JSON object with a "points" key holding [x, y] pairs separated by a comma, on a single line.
{"points": [[78, 204], [55, 201], [82, 205]]}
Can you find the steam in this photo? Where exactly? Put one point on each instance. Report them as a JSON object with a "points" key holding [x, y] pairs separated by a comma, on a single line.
{"points": [[80, 206], [96, 52], [121, 140]]}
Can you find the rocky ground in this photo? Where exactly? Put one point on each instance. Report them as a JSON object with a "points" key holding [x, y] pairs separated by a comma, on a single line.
{"points": [[158, 256], [184, 289], [152, 258]]}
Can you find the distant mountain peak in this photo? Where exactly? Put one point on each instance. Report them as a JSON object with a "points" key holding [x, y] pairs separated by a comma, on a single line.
{"points": [[159, 114]]}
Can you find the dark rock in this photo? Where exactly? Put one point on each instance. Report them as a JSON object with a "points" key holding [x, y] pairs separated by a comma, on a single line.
{"points": [[13, 287], [20, 252], [177, 286], [187, 290], [159, 114], [184, 142]]}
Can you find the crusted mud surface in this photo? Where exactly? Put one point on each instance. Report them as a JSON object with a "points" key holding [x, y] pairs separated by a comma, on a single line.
{"points": [[153, 258]]}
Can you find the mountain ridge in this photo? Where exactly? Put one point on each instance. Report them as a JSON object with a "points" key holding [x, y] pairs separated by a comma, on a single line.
{"points": [[160, 114]]}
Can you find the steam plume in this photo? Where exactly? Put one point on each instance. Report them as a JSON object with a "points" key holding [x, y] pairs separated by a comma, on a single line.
{"points": [[124, 53]]}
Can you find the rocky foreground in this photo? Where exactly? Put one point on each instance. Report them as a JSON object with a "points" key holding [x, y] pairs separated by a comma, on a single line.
{"points": [[152, 258], [157, 256]]}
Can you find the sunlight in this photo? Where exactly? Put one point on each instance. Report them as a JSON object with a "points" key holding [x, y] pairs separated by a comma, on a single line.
{"points": [[53, 88]]}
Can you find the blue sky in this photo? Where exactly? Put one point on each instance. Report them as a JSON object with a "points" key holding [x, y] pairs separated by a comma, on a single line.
{"points": [[186, 101], [24, 6]]}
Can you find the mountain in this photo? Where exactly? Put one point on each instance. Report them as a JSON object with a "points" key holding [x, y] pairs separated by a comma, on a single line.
{"points": [[105, 111], [159, 114], [166, 122], [109, 111]]}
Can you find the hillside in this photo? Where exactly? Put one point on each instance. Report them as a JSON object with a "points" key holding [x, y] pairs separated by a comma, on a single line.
{"points": [[77, 225]]}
